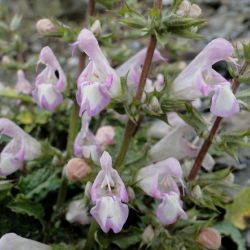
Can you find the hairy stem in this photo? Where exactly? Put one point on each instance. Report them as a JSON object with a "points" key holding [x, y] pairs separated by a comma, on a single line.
{"points": [[91, 235], [130, 126], [207, 143]]}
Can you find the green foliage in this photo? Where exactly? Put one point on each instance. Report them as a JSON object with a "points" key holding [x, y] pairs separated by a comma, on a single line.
{"points": [[39, 183], [15, 22], [12, 94], [21, 204], [231, 142], [246, 51], [239, 211], [214, 190], [192, 117], [228, 229], [124, 240], [5, 187]]}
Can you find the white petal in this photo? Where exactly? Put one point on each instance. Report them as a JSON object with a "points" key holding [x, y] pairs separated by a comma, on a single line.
{"points": [[110, 213], [12, 241], [224, 102]]}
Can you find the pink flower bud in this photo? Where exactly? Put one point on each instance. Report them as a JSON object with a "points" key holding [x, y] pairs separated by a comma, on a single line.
{"points": [[209, 238], [44, 26], [76, 169], [195, 11], [105, 135]]}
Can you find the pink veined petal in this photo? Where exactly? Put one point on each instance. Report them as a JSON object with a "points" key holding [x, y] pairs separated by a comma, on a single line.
{"points": [[224, 103], [48, 58], [173, 144], [132, 68], [198, 78], [137, 60], [9, 164], [108, 182], [170, 209], [50, 83], [47, 96], [106, 161], [157, 179], [94, 98], [110, 213]]}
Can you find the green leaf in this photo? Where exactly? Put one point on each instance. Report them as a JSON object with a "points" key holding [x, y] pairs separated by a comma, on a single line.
{"points": [[238, 212], [189, 34], [12, 94], [127, 239], [25, 117], [228, 229], [62, 246], [4, 138], [176, 22], [39, 183], [214, 190], [23, 205], [5, 187], [193, 118], [231, 142], [15, 22], [246, 49], [245, 78]]}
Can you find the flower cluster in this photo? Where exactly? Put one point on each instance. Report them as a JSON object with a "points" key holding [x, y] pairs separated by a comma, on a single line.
{"points": [[97, 85], [160, 180]]}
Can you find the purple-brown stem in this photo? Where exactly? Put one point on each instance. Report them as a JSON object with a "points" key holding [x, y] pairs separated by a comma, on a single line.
{"points": [[207, 143], [130, 127]]}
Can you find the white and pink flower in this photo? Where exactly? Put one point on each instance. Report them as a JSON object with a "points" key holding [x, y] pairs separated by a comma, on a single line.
{"points": [[50, 83], [110, 196], [199, 79]]}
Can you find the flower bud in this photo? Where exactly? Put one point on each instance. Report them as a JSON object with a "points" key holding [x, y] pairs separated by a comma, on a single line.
{"points": [[44, 26], [196, 192], [105, 135], [78, 213], [195, 11], [76, 169], [209, 238], [154, 105], [131, 193], [184, 8], [87, 189], [6, 60], [96, 27], [148, 234], [230, 178]]}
